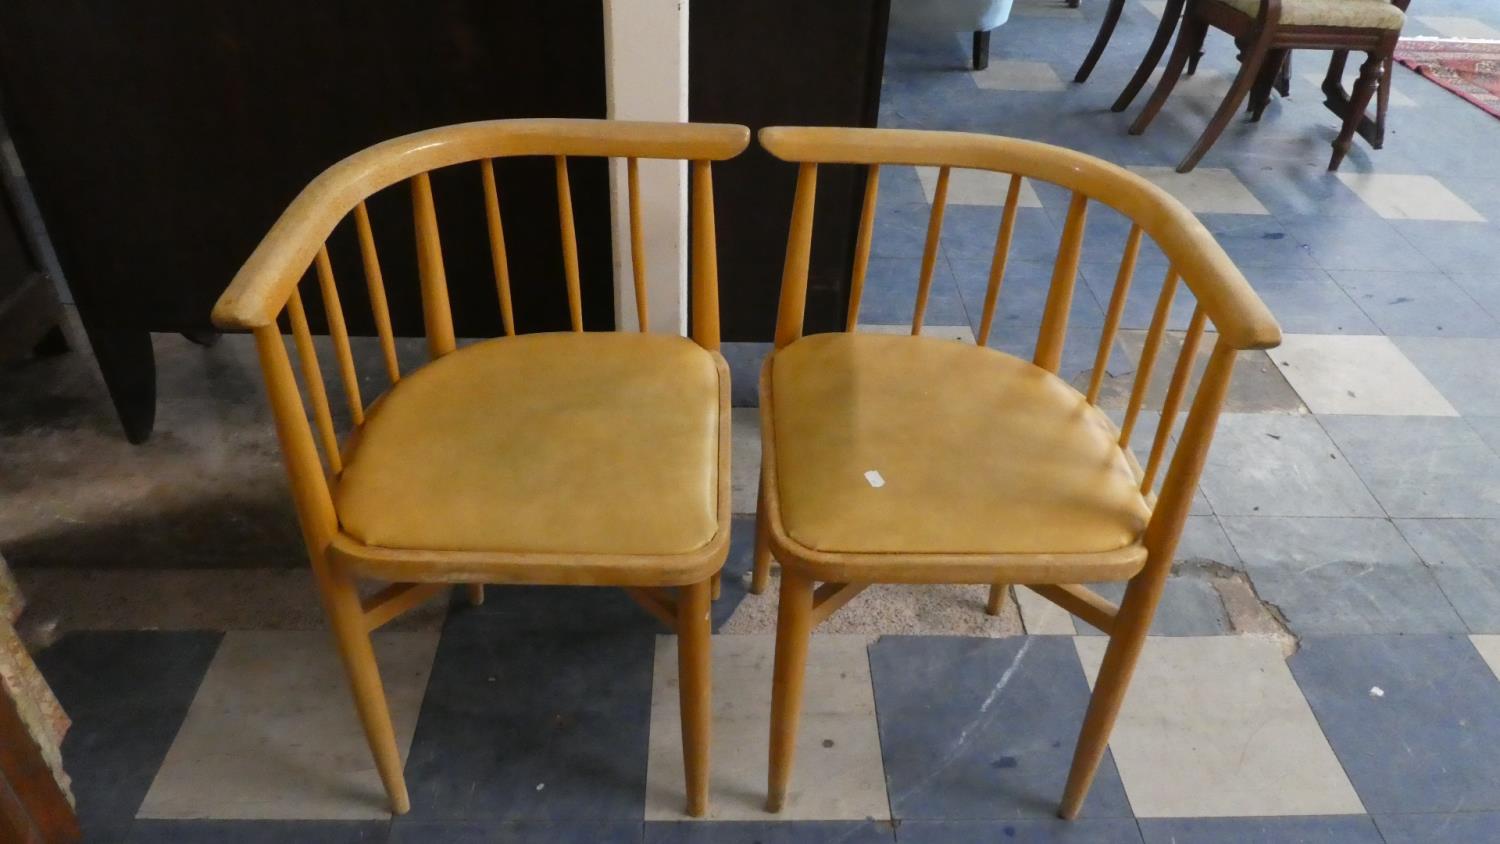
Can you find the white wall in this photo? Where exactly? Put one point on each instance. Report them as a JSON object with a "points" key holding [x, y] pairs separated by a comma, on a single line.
{"points": [[646, 78]]}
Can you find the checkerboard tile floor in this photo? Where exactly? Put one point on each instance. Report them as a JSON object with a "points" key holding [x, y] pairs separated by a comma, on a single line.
{"points": [[1325, 665]]}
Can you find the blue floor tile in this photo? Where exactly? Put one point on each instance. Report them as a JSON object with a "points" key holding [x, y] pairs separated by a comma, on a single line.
{"points": [[890, 293], [770, 832], [1465, 371], [1461, 554], [1348, 829], [1141, 300], [127, 693], [1257, 240], [258, 832], [1337, 243], [1190, 606], [1454, 247], [512, 832], [533, 726], [900, 230], [983, 728], [1023, 295], [1439, 828], [1420, 466], [1039, 831], [1308, 301], [969, 233], [1417, 304], [1424, 743]]}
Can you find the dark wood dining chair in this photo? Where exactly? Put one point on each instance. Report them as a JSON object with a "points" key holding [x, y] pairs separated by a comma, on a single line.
{"points": [[1267, 30]]}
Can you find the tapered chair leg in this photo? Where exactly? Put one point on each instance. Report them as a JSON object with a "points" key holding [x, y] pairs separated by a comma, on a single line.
{"points": [[1125, 642], [997, 598], [1359, 100], [1265, 83], [1101, 40], [1383, 102], [695, 683], [793, 636], [762, 571], [475, 593], [1254, 59], [981, 49], [1169, 77], [347, 620], [1169, 18]]}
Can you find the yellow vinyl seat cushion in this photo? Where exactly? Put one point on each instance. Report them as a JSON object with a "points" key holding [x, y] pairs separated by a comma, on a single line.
{"points": [[572, 443], [979, 452], [1361, 14]]}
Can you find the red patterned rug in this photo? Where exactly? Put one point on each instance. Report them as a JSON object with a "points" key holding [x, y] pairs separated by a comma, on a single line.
{"points": [[1470, 69]]}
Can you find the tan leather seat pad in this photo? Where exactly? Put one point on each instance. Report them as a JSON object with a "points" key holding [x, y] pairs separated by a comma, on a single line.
{"points": [[561, 443], [979, 452]]}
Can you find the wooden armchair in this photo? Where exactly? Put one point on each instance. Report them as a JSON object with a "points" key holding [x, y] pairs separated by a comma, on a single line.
{"points": [[910, 459], [1267, 30], [570, 458]]}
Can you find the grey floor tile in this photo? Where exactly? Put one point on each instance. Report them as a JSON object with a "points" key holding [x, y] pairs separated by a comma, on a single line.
{"points": [[1331, 829], [1488, 429], [1454, 247], [1104, 236], [1465, 371], [1257, 241], [1417, 304], [1414, 719], [1439, 828], [1190, 606], [1331, 576], [983, 728], [1204, 541], [1023, 296], [1281, 465], [533, 726], [127, 693], [516, 832], [771, 832], [1144, 293], [890, 293], [1340, 243], [1307, 301], [969, 233], [745, 360], [1420, 466], [1040, 831], [257, 832], [1464, 555]]}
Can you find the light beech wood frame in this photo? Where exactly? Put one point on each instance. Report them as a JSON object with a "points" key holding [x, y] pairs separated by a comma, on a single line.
{"points": [[1225, 301], [676, 589]]}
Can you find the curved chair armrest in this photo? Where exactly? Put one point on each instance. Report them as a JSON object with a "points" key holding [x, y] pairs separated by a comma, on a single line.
{"points": [[264, 283], [1232, 305]]}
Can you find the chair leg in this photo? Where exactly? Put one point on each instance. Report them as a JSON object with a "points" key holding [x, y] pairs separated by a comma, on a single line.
{"points": [[1254, 59], [1169, 18], [1131, 624], [997, 598], [1265, 82], [1359, 100], [793, 635], [695, 683], [1196, 55], [1383, 102], [475, 592], [347, 620], [981, 49], [1284, 78], [1106, 31], [762, 573], [1169, 77]]}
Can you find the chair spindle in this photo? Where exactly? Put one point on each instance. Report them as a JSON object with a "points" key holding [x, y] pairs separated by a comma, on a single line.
{"points": [[312, 375], [705, 259], [1053, 333], [862, 245], [437, 315], [1116, 309], [1143, 372], [498, 256], [792, 304], [339, 333], [569, 241], [375, 283], [1002, 256], [930, 250], [637, 243], [1181, 374]]}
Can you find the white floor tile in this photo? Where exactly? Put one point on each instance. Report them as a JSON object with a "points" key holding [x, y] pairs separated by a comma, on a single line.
{"points": [[1016, 75], [1216, 727], [272, 732], [839, 773], [1459, 27], [1410, 197], [1206, 190], [1157, 8], [744, 459], [977, 187], [1314, 78], [961, 333], [1359, 374], [1489, 648], [1040, 616]]}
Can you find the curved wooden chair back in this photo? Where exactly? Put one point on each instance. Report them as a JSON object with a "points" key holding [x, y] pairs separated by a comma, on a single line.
{"points": [[1225, 301]]}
